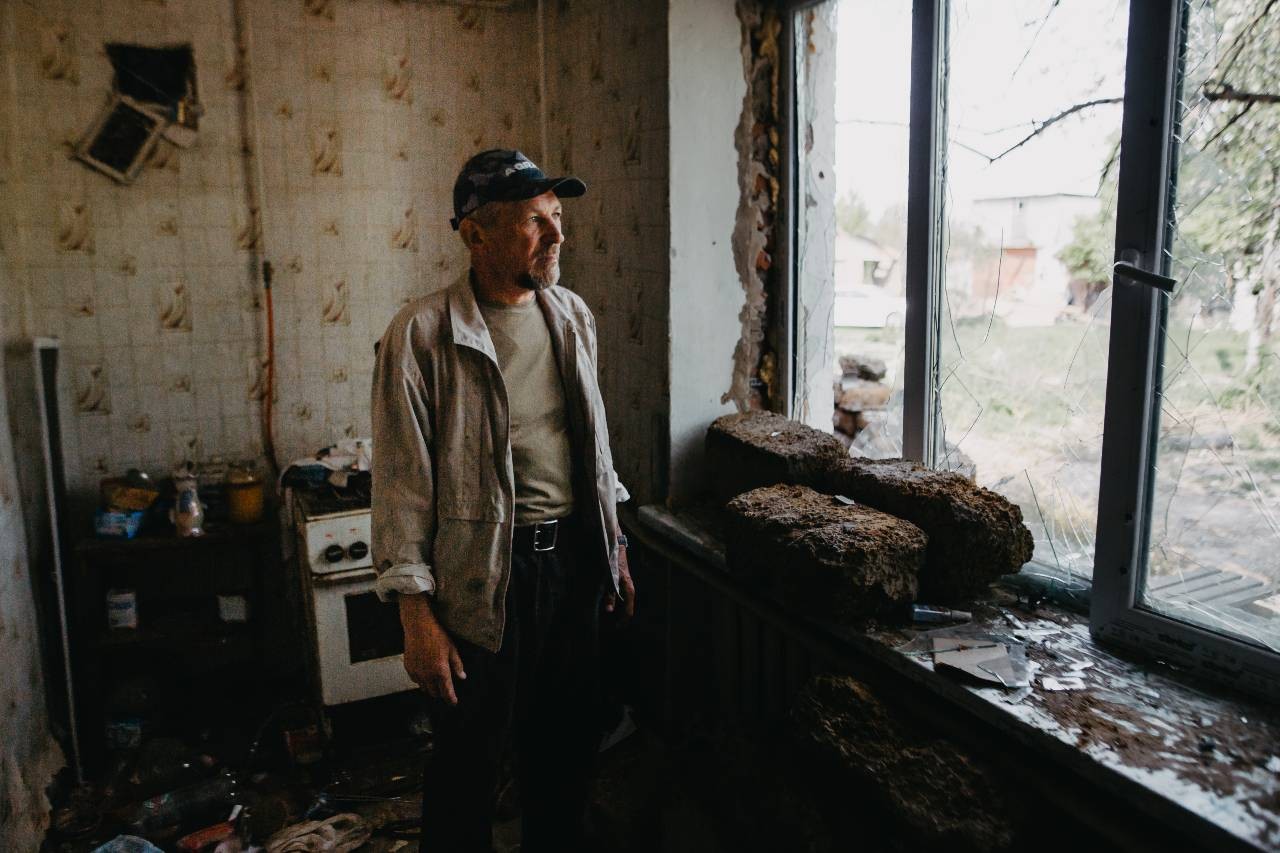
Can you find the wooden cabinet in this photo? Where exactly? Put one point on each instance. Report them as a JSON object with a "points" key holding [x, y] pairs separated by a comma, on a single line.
{"points": [[186, 660]]}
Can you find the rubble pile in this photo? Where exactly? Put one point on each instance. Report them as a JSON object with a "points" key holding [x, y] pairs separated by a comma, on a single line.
{"points": [[822, 557], [860, 395]]}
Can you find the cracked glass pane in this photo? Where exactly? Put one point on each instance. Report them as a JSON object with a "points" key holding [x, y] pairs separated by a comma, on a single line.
{"points": [[872, 103], [1033, 119], [1215, 544]]}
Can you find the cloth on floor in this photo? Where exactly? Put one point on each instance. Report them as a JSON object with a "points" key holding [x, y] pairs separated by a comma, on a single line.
{"points": [[339, 834]]}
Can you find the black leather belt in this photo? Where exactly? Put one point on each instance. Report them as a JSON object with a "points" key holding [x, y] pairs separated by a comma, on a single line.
{"points": [[538, 538]]}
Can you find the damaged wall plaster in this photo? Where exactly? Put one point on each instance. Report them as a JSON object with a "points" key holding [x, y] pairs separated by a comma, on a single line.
{"points": [[756, 141], [815, 220]]}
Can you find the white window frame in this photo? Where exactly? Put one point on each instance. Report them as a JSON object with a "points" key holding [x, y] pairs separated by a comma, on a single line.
{"points": [[1133, 381], [1134, 372]]}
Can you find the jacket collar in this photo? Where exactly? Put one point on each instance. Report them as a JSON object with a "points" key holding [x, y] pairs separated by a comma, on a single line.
{"points": [[468, 327], [465, 320]]}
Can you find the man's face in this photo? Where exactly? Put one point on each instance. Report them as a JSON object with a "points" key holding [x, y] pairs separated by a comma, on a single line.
{"points": [[524, 242]]}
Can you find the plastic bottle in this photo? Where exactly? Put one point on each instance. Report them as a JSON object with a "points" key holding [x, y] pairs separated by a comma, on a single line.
{"points": [[188, 514], [185, 804]]}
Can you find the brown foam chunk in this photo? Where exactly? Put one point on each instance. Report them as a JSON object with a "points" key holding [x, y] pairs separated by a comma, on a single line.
{"points": [[975, 535], [745, 451], [821, 557]]}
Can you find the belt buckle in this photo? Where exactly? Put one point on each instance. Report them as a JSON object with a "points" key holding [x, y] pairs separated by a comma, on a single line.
{"points": [[551, 527]]}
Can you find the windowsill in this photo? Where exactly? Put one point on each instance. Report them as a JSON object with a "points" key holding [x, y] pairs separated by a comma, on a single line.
{"points": [[1202, 763]]}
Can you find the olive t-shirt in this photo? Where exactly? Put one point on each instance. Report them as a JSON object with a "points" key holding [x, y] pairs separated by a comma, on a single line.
{"points": [[539, 431]]}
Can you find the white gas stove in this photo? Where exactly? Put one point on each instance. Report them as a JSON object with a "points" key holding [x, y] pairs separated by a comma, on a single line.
{"points": [[356, 641]]}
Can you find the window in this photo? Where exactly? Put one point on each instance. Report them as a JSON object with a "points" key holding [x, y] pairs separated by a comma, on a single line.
{"points": [[1214, 531], [1049, 169], [1024, 326], [1187, 529], [869, 227]]}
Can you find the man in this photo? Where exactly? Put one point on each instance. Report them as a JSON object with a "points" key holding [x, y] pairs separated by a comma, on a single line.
{"points": [[494, 517]]}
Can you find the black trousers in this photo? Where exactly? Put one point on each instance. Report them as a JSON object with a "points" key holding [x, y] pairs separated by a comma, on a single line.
{"points": [[540, 693]]}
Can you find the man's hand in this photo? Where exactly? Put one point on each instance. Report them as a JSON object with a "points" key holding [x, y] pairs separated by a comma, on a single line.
{"points": [[628, 589], [430, 657]]}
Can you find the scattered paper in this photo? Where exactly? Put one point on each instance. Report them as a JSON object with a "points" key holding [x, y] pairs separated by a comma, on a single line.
{"points": [[1017, 696], [1066, 682], [1013, 621], [982, 659], [957, 644]]}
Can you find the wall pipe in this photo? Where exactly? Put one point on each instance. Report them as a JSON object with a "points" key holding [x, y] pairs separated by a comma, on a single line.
{"points": [[255, 195]]}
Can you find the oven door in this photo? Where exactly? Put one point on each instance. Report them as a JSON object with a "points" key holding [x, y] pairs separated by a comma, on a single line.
{"points": [[359, 642]]}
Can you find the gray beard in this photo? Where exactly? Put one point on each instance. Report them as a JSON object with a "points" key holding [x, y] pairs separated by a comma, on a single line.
{"points": [[535, 283]]}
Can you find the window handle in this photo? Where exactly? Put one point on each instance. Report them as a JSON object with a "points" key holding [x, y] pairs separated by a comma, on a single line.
{"points": [[1128, 268]]}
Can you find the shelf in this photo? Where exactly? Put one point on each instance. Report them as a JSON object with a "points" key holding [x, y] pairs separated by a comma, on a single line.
{"points": [[181, 642], [166, 540], [144, 639]]}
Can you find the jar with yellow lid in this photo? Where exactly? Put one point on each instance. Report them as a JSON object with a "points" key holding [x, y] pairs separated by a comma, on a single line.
{"points": [[245, 494]]}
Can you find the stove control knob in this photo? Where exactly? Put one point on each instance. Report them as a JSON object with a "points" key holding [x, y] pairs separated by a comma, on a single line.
{"points": [[334, 553], [358, 551]]}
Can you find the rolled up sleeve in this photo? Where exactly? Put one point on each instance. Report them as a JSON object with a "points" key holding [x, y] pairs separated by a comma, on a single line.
{"points": [[620, 493], [404, 512]]}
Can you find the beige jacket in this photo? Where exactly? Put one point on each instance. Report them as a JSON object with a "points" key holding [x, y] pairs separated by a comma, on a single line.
{"points": [[443, 484]]}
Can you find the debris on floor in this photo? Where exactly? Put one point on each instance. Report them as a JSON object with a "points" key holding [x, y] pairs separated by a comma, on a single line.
{"points": [[244, 789], [339, 834]]}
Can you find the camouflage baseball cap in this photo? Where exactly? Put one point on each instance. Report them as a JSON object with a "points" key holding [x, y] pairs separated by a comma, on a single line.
{"points": [[502, 174]]}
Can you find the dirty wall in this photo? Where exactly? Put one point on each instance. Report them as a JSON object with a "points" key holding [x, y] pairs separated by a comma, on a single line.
{"points": [[707, 90], [607, 122], [29, 756], [361, 113]]}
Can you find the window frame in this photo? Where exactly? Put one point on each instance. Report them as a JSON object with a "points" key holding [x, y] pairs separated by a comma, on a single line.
{"points": [[927, 140], [1148, 156], [1153, 54]]}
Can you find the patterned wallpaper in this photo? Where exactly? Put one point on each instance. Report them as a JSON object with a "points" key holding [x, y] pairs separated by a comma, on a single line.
{"points": [[608, 124], [364, 110]]}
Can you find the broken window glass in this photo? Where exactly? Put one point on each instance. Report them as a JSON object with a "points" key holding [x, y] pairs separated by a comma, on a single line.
{"points": [[1214, 555], [871, 103], [1033, 114]]}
